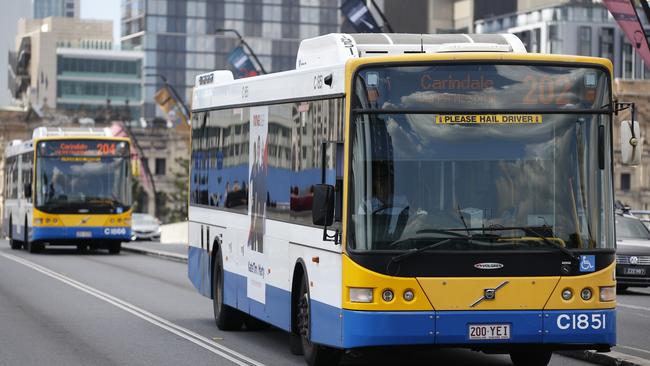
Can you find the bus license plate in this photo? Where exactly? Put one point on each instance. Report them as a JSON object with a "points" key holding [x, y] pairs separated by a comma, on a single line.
{"points": [[84, 234], [634, 271], [489, 331]]}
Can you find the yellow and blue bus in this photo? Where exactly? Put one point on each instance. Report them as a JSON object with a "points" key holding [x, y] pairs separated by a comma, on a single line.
{"points": [[395, 189], [68, 186]]}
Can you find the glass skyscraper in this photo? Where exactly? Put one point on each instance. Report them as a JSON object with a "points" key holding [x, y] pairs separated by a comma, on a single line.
{"points": [[179, 40], [56, 8]]}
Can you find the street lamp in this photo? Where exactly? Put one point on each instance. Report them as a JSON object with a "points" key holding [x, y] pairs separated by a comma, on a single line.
{"points": [[243, 43]]}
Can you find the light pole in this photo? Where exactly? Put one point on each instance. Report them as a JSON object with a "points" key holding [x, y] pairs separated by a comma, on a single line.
{"points": [[243, 43], [176, 96]]}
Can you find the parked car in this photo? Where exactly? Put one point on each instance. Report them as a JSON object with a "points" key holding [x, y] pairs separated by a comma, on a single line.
{"points": [[145, 227], [633, 252]]}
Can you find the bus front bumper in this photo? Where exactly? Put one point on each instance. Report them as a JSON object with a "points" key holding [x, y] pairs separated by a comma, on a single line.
{"points": [[558, 328], [45, 233]]}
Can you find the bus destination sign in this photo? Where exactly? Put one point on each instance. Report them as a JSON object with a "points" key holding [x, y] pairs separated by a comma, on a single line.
{"points": [[83, 148]]}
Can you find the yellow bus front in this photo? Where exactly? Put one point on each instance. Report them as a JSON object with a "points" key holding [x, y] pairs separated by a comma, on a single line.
{"points": [[82, 191], [479, 205]]}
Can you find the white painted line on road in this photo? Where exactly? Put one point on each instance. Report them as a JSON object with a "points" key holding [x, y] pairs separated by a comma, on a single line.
{"points": [[185, 333], [633, 349]]}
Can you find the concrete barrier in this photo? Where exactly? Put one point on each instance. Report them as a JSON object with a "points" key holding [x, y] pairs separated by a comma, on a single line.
{"points": [[175, 233]]}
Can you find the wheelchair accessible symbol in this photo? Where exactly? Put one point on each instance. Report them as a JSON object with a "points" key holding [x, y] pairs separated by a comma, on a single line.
{"points": [[587, 263]]}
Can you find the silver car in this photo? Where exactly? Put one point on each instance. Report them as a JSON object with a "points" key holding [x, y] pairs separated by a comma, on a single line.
{"points": [[632, 253], [145, 227]]}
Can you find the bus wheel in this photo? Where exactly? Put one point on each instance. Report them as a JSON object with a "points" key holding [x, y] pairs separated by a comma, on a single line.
{"points": [[315, 354], [530, 358], [14, 244], [32, 246], [226, 317], [114, 247]]}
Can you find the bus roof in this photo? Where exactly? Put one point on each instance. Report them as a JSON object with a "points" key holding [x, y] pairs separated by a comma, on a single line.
{"points": [[320, 65]]}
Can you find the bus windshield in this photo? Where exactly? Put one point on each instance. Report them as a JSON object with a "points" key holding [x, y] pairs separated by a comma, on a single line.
{"points": [[82, 180], [516, 180]]}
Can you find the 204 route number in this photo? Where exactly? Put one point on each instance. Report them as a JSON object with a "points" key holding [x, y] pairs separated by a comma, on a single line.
{"points": [[582, 321]]}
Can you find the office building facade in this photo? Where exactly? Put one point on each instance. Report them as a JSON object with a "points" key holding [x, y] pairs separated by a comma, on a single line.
{"points": [[179, 41], [56, 8], [70, 65]]}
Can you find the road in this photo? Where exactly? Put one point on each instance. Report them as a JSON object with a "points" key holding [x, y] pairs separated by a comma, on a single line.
{"points": [[62, 307]]}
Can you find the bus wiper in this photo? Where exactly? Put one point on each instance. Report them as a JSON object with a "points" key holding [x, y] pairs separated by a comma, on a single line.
{"points": [[549, 243], [414, 251]]}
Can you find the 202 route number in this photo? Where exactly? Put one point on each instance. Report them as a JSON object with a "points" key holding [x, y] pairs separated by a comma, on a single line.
{"points": [[582, 321]]}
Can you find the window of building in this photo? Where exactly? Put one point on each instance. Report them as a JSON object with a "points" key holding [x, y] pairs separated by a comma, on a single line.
{"points": [[584, 41], [607, 43], [627, 61], [160, 166], [625, 181]]}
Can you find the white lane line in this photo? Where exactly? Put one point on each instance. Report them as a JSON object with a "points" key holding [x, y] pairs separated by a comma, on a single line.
{"points": [[633, 349], [187, 334]]}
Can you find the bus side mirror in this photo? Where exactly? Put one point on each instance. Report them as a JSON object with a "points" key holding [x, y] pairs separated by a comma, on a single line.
{"points": [[322, 210], [27, 189], [631, 148]]}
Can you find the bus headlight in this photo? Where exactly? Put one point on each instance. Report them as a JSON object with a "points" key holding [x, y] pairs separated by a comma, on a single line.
{"points": [[567, 294], [607, 293], [586, 293], [38, 221], [360, 294]]}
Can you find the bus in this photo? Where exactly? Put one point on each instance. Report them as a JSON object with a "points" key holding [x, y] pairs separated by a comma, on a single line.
{"points": [[397, 189], [68, 186]]}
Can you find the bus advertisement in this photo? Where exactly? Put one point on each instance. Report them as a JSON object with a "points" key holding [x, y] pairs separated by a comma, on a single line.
{"points": [[68, 187], [425, 191]]}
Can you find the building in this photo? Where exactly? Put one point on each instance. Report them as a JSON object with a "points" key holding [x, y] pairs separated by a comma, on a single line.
{"points": [[179, 40], [632, 184], [8, 23], [56, 8], [570, 27], [70, 65]]}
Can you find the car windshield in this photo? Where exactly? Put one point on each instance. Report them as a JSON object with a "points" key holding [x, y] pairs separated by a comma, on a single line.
{"points": [[631, 228], [144, 219], [418, 177]]}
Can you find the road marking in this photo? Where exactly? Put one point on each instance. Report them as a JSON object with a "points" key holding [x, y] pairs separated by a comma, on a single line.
{"points": [[187, 334]]}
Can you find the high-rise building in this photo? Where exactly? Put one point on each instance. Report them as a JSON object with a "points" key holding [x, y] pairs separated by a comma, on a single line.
{"points": [[8, 23], [180, 41], [70, 65], [56, 8], [571, 27]]}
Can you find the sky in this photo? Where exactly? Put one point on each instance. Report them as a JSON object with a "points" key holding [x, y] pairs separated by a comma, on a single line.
{"points": [[103, 9]]}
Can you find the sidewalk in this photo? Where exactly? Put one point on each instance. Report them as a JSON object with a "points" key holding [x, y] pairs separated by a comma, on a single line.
{"points": [[175, 252]]}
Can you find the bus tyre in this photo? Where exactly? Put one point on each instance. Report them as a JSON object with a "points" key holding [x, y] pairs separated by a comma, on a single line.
{"points": [[530, 358], [115, 247], [32, 246], [13, 243], [315, 354], [226, 317]]}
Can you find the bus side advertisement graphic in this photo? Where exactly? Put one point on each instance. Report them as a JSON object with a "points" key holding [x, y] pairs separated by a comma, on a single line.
{"points": [[489, 119]]}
